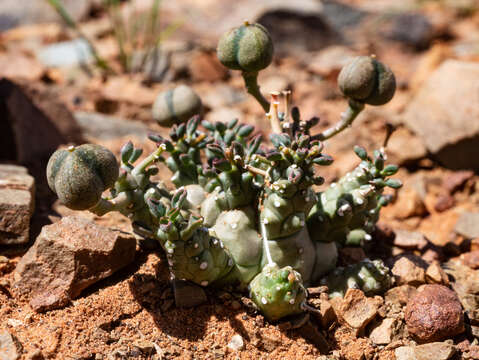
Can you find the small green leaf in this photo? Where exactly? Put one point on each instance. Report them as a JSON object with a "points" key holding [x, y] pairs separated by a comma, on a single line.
{"points": [[394, 183], [126, 152], [361, 152], [232, 123], [390, 170]]}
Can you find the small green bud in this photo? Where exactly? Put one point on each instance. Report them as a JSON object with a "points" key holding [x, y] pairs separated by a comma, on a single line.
{"points": [[176, 106], [367, 80], [247, 48]]}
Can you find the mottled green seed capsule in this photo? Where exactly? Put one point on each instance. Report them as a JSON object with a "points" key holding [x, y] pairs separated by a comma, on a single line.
{"points": [[367, 80], [79, 175], [248, 48], [176, 106]]}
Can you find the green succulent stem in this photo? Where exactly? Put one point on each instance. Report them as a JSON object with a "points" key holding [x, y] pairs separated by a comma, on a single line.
{"points": [[252, 87], [150, 159], [347, 118], [106, 205]]}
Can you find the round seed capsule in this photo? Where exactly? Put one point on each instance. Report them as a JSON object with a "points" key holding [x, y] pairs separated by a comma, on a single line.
{"points": [[248, 48], [79, 175], [367, 80], [176, 106]]}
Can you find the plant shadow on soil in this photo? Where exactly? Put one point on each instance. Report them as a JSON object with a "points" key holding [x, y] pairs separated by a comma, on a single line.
{"points": [[154, 293]]}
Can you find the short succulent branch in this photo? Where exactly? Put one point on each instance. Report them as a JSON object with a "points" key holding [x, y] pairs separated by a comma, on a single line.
{"points": [[252, 87], [150, 159], [105, 206], [347, 118]]}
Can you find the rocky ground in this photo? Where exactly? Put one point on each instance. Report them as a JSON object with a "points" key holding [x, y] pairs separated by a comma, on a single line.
{"points": [[102, 300]]}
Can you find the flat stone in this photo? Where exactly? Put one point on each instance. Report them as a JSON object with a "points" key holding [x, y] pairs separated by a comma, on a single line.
{"points": [[105, 127], [434, 351], [409, 270], [441, 112], [17, 202], [409, 204], [357, 310], [16, 177], [10, 347], [436, 275], [405, 353], [384, 332], [434, 314], [67, 257], [188, 294], [468, 225], [411, 240], [66, 53], [404, 147], [400, 294]]}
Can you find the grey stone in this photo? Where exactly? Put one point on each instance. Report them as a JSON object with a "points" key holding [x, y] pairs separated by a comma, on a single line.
{"points": [[10, 347], [15, 13], [410, 239], [289, 23], [65, 53], [405, 353], [17, 202], [441, 112], [411, 29], [104, 127], [236, 343], [69, 256], [188, 294], [468, 225]]}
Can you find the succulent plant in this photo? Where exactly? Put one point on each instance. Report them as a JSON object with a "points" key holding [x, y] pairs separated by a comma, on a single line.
{"points": [[176, 106], [245, 212]]}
